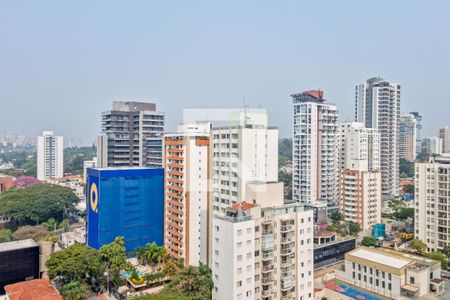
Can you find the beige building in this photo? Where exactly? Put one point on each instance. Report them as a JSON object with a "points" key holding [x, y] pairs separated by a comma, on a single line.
{"points": [[444, 134], [360, 197], [432, 203], [408, 137], [186, 201], [391, 273]]}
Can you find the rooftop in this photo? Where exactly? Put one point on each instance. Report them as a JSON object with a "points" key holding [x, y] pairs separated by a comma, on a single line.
{"points": [[37, 289], [14, 245], [380, 257], [244, 205]]}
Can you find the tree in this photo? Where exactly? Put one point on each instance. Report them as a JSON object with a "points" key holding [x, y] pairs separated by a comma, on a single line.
{"points": [[5, 235], [114, 259], [26, 181], [170, 269], [369, 241], [194, 282], [50, 225], [409, 189], [73, 290], [152, 254], [336, 216], [418, 245], [34, 204], [75, 263], [439, 256], [30, 232], [406, 168], [353, 228], [64, 225], [286, 178]]}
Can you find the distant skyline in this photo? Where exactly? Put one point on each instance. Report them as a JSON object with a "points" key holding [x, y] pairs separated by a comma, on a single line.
{"points": [[63, 63]]}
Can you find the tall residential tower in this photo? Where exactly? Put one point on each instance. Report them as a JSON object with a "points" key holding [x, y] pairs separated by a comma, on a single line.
{"points": [[50, 156], [378, 106], [132, 136], [314, 162]]}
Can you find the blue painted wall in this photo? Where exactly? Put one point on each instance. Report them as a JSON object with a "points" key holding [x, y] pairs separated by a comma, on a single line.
{"points": [[125, 202]]}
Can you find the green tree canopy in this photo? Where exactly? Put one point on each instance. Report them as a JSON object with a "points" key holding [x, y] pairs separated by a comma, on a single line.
{"points": [[418, 245], [5, 235], [73, 290], [113, 258], [193, 282], [74, 263], [38, 203], [336, 216], [353, 228], [30, 232], [439, 256], [369, 241]]}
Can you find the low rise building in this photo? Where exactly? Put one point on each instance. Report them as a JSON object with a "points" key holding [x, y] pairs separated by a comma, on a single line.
{"points": [[330, 249], [37, 289], [19, 261], [391, 273], [6, 182]]}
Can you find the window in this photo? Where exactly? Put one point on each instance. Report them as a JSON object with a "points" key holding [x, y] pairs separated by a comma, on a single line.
{"points": [[353, 275], [389, 286], [239, 283], [359, 276], [382, 284], [239, 258], [371, 280], [239, 245], [239, 232], [249, 230], [377, 282], [239, 270], [249, 255], [389, 276], [412, 280]]}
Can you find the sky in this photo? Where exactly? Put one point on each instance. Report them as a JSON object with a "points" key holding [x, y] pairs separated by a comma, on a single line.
{"points": [[62, 63]]}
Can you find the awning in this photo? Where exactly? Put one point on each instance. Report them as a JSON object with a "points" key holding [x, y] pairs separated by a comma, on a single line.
{"points": [[410, 288]]}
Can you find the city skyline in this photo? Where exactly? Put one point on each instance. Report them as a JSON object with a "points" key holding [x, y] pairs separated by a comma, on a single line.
{"points": [[196, 56]]}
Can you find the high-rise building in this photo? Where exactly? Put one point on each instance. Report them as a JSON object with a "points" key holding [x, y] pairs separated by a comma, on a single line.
{"points": [[418, 118], [88, 164], [432, 145], [432, 202], [378, 106], [132, 136], [408, 137], [444, 134], [186, 162], [50, 156], [314, 159], [263, 252], [127, 202], [359, 177], [245, 151]]}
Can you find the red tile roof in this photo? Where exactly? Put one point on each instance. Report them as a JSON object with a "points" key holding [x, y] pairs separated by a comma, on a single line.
{"points": [[244, 205], [37, 289], [315, 93]]}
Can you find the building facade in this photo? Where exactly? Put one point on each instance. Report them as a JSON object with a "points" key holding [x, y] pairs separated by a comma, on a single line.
{"points": [[314, 160], [418, 118], [50, 156], [359, 176], [408, 137], [377, 105], [432, 203], [444, 134], [432, 145], [19, 261], [245, 151], [6, 182], [132, 136], [186, 162], [391, 273], [263, 253], [127, 202]]}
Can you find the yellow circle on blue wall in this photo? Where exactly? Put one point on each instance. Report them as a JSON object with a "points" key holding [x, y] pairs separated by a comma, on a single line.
{"points": [[93, 197]]}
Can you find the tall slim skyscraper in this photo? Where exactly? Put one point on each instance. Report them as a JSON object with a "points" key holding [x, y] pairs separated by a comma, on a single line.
{"points": [[408, 137], [444, 134], [132, 136], [50, 156], [315, 167], [378, 106], [418, 118], [186, 162]]}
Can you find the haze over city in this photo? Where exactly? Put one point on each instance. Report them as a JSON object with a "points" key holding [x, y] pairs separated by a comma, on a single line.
{"points": [[62, 64]]}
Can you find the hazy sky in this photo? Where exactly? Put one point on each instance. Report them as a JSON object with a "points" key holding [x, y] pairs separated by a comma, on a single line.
{"points": [[62, 64]]}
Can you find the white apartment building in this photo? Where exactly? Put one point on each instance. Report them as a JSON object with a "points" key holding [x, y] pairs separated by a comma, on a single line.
{"points": [[245, 151], [377, 105], [418, 119], [359, 177], [432, 145], [132, 136], [408, 137], [50, 156], [444, 134], [88, 164], [314, 159], [432, 202], [391, 273], [186, 164], [263, 252]]}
